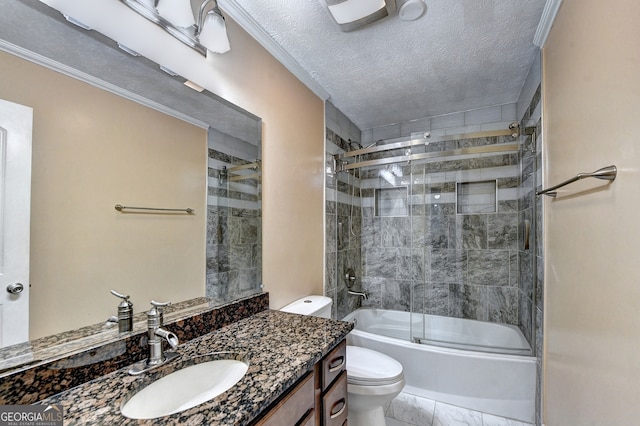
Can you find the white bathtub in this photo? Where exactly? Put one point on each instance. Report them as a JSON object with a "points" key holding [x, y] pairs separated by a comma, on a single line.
{"points": [[478, 378]]}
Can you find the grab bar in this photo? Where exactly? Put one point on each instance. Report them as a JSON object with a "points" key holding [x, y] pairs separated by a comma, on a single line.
{"points": [[120, 208], [606, 173]]}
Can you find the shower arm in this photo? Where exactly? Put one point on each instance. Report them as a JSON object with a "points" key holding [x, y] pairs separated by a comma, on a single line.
{"points": [[605, 173]]}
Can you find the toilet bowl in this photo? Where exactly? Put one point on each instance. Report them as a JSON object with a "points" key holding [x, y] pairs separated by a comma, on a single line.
{"points": [[373, 378]]}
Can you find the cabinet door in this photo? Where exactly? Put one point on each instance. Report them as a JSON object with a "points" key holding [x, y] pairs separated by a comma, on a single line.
{"points": [[294, 408], [334, 403]]}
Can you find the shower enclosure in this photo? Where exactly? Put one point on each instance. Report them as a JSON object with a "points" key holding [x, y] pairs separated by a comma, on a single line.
{"points": [[437, 225]]}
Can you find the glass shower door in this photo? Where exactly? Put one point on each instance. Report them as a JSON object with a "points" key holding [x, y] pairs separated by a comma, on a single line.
{"points": [[386, 246], [465, 225], [441, 226]]}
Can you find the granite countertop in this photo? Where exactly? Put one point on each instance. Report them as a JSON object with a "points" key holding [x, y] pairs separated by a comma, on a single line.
{"points": [[279, 347]]}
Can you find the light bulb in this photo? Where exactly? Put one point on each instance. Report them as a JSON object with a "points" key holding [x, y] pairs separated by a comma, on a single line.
{"points": [[213, 35]]}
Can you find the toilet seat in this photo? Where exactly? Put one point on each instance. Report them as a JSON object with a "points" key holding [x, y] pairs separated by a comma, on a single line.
{"points": [[366, 367]]}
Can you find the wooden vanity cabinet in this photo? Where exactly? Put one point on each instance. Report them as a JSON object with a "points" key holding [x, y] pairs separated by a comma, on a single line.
{"points": [[318, 399]]}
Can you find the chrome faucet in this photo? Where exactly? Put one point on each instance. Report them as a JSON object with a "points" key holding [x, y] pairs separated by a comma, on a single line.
{"points": [[358, 293], [350, 279], [155, 335]]}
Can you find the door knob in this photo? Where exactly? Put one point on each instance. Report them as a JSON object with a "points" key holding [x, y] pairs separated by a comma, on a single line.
{"points": [[15, 288]]}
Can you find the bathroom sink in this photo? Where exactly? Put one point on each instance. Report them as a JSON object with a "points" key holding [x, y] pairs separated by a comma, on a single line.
{"points": [[184, 388]]}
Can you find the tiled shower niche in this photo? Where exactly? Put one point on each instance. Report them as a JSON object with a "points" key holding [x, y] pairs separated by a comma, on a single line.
{"points": [[476, 197]]}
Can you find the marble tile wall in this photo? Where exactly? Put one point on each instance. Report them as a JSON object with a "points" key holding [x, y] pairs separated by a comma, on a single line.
{"points": [[439, 262], [434, 260], [234, 225]]}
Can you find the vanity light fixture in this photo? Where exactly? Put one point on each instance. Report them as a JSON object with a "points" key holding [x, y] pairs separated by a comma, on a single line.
{"points": [[207, 33], [177, 12], [211, 30]]}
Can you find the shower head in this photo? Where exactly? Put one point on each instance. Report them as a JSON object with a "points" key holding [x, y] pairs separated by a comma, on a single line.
{"points": [[356, 144]]}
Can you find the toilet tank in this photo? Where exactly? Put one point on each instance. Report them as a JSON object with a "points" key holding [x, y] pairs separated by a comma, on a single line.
{"points": [[319, 306]]}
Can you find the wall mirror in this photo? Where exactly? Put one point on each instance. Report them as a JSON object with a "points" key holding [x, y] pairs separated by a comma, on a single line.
{"points": [[167, 146]]}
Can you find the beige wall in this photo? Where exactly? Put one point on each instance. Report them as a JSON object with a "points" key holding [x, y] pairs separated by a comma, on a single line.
{"points": [[591, 83], [91, 150], [293, 162]]}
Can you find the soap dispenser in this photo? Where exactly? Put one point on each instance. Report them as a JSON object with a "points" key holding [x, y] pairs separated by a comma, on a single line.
{"points": [[125, 313]]}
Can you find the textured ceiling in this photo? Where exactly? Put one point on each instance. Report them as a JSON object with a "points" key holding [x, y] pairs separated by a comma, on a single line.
{"points": [[461, 55]]}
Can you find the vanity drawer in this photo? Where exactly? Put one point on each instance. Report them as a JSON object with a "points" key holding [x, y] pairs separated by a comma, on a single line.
{"points": [[297, 407], [334, 364], [334, 403]]}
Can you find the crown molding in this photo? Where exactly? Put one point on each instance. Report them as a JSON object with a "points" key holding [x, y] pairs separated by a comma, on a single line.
{"points": [[250, 25], [546, 21]]}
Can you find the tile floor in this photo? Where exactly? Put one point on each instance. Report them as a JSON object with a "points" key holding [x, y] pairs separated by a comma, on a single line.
{"points": [[410, 410]]}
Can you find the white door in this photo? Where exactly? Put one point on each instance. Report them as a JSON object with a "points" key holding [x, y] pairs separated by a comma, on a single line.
{"points": [[15, 198]]}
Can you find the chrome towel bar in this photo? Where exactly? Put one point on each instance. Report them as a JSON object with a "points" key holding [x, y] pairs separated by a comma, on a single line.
{"points": [[606, 173], [121, 208]]}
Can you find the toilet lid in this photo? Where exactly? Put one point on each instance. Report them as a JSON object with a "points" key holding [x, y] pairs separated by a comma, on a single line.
{"points": [[368, 368]]}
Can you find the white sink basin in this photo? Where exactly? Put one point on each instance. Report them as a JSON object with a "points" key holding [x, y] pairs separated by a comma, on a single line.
{"points": [[184, 388]]}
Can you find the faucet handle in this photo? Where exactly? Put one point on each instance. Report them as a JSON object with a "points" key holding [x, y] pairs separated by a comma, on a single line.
{"points": [[125, 304], [157, 311], [159, 306], [121, 296]]}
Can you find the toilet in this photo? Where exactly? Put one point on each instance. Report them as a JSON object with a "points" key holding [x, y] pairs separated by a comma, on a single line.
{"points": [[373, 378]]}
